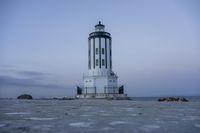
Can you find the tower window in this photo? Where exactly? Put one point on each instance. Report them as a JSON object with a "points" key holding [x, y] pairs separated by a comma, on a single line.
{"points": [[102, 62], [102, 50], [97, 63], [96, 50]]}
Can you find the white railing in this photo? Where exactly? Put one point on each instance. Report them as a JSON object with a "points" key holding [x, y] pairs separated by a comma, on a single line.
{"points": [[108, 73], [99, 33]]}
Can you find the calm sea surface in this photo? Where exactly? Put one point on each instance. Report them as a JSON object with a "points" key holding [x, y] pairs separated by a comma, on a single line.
{"points": [[75, 116]]}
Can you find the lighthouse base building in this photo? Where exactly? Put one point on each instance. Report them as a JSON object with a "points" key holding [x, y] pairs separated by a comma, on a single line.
{"points": [[100, 81]]}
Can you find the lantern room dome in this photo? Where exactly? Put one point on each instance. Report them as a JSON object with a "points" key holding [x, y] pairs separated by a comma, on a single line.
{"points": [[99, 27]]}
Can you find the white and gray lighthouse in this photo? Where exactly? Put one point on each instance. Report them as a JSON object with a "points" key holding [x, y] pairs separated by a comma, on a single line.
{"points": [[100, 81]]}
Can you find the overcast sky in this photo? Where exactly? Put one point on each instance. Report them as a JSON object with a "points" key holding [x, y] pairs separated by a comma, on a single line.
{"points": [[43, 45]]}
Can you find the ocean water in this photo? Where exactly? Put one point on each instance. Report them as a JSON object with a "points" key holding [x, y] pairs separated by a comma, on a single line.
{"points": [[82, 116]]}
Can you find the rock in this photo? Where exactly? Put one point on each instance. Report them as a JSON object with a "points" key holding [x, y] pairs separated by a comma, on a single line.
{"points": [[118, 98], [55, 98], [161, 99], [63, 98], [67, 98], [184, 100], [25, 96], [172, 99]]}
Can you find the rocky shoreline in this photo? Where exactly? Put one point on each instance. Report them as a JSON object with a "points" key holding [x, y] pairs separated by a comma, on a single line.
{"points": [[173, 99]]}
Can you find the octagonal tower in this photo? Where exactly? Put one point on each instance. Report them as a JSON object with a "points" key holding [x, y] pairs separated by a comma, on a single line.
{"points": [[100, 80]]}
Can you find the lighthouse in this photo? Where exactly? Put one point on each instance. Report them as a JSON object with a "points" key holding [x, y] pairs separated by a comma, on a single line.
{"points": [[100, 81]]}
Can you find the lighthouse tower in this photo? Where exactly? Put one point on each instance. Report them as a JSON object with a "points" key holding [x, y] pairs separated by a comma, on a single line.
{"points": [[100, 81]]}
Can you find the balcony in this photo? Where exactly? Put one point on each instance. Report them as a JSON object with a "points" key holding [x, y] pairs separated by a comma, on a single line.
{"points": [[108, 73], [99, 33]]}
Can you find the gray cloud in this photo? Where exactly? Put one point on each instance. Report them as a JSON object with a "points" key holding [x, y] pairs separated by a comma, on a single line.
{"points": [[27, 79], [13, 70], [39, 84], [7, 81], [32, 73]]}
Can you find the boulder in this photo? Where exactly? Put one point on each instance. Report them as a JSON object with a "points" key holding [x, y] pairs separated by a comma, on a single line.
{"points": [[63, 98], [67, 98], [184, 100], [172, 99], [25, 96], [118, 98]]}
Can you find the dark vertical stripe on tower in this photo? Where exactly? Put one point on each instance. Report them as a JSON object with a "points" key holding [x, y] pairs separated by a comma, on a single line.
{"points": [[89, 54], [110, 54], [99, 52], [94, 53], [106, 51]]}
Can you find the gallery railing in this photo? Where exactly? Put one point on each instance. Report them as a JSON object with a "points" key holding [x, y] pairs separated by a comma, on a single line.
{"points": [[85, 75], [107, 90]]}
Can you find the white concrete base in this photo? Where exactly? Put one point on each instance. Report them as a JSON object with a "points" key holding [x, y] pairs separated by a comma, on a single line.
{"points": [[101, 95]]}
